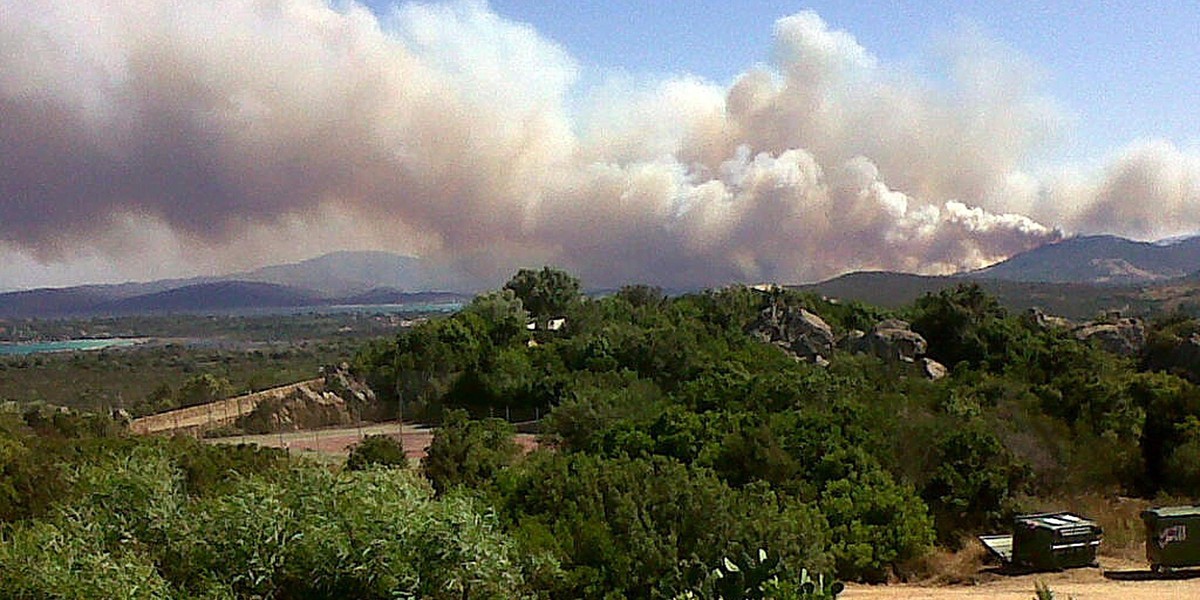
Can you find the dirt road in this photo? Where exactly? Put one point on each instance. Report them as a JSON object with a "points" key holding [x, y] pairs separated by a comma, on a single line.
{"points": [[1121, 580], [336, 442]]}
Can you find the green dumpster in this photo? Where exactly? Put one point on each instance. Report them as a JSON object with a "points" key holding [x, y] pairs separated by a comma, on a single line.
{"points": [[1053, 541], [1172, 536]]}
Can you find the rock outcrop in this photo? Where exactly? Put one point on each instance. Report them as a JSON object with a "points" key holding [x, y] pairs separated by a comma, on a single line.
{"points": [[1121, 336], [1177, 355], [342, 400], [891, 339], [1041, 320], [933, 369], [802, 333], [340, 381]]}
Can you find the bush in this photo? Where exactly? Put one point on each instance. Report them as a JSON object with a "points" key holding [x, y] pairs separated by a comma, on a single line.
{"points": [[975, 484], [876, 525], [628, 527], [468, 453], [306, 533], [377, 450]]}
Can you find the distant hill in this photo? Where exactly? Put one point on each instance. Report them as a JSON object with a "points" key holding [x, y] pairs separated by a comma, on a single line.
{"points": [[341, 278], [1100, 259], [51, 302], [211, 297], [218, 296], [349, 273], [394, 296], [1072, 300]]}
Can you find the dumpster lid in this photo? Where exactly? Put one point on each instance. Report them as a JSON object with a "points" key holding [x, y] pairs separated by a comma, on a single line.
{"points": [[1058, 520], [1001, 546], [1172, 511]]}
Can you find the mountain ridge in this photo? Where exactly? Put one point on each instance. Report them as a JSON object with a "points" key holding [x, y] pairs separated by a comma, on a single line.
{"points": [[1099, 259], [340, 278], [1076, 275]]}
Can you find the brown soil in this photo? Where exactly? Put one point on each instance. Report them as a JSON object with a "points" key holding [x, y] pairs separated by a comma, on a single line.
{"points": [[1116, 578], [337, 442]]}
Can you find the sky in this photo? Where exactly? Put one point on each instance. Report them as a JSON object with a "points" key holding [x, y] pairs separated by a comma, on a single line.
{"points": [[1122, 69], [683, 144]]}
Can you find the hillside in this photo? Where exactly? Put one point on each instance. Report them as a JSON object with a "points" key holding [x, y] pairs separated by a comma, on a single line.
{"points": [[338, 279], [218, 296], [348, 273], [51, 302], [1072, 300], [1101, 259]]}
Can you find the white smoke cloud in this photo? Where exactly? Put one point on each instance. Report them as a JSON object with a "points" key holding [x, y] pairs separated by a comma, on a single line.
{"points": [[242, 131]]}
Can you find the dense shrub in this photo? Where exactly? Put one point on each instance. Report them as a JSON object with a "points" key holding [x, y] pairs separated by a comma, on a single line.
{"points": [[377, 450], [308, 533], [644, 527], [876, 525], [975, 484], [470, 453]]}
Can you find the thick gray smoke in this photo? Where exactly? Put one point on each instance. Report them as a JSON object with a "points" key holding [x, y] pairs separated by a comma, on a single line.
{"points": [[226, 133]]}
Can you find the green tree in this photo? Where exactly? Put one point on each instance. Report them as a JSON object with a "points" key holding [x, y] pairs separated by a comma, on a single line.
{"points": [[467, 452], [546, 293], [503, 315], [203, 389], [976, 482], [965, 323], [876, 524], [377, 450]]}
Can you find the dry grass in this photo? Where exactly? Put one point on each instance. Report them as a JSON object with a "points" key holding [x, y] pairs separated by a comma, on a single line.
{"points": [[948, 567], [1120, 517]]}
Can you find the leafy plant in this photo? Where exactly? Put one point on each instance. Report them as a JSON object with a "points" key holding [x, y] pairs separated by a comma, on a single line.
{"points": [[377, 450], [745, 578]]}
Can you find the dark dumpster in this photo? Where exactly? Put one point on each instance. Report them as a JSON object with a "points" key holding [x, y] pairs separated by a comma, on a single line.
{"points": [[1047, 542], [1172, 536]]}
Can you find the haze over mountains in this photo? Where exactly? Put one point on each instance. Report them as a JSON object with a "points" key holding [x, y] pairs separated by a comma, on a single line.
{"points": [[1077, 276], [341, 278], [1101, 259]]}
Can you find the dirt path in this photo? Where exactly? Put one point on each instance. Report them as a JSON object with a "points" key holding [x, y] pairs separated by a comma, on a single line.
{"points": [[336, 442], [1122, 580]]}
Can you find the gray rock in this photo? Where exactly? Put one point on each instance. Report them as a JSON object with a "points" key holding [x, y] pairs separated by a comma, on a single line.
{"points": [[933, 369], [892, 339], [802, 333], [1121, 336], [851, 340], [1041, 320]]}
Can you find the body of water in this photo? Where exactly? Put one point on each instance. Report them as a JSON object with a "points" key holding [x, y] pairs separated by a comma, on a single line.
{"points": [[15, 349]]}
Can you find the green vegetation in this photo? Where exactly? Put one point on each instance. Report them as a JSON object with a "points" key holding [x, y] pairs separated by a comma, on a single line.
{"points": [[377, 451], [682, 457], [152, 379], [243, 353], [656, 401]]}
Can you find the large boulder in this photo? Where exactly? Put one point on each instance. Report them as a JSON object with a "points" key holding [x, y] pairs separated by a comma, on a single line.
{"points": [[803, 333], [1039, 319], [343, 383], [892, 339], [1121, 336], [933, 369]]}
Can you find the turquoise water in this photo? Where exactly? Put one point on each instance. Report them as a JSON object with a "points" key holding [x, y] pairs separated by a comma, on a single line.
{"points": [[7, 349]]}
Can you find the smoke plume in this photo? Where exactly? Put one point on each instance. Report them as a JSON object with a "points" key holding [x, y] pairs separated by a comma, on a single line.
{"points": [[228, 133]]}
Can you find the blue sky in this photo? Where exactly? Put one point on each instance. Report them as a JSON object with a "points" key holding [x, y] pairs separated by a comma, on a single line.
{"points": [[1122, 70]]}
